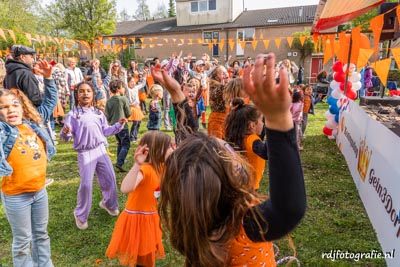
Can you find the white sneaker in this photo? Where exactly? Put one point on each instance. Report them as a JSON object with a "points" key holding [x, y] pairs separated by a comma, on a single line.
{"points": [[111, 212]]}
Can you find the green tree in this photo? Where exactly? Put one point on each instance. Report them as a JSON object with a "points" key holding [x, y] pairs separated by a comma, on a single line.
{"points": [[161, 11], [89, 19], [171, 9], [306, 49], [123, 15], [142, 11]]}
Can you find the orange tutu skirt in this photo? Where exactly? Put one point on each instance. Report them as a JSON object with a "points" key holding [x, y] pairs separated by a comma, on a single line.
{"points": [[137, 114], [142, 95], [137, 239], [58, 110], [215, 125]]}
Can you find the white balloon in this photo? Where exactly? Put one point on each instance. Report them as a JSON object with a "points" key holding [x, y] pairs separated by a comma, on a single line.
{"points": [[337, 93], [351, 69], [331, 123], [334, 85], [356, 86], [355, 77], [328, 115]]}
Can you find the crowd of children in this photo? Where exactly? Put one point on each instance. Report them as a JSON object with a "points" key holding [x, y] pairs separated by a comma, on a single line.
{"points": [[187, 179]]}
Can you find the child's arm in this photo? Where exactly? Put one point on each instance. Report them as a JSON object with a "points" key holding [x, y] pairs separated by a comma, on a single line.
{"points": [[66, 131], [135, 176], [114, 129], [172, 85], [50, 93]]}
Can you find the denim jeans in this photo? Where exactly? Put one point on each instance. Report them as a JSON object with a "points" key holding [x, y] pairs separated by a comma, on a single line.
{"points": [[124, 143], [28, 215], [134, 131]]}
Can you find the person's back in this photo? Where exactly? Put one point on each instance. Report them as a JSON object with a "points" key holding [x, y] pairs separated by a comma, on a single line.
{"points": [[19, 73]]}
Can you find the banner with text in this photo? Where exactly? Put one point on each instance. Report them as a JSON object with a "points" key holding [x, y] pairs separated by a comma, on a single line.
{"points": [[372, 153]]}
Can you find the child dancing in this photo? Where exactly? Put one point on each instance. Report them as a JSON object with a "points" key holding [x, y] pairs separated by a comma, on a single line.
{"points": [[88, 126], [137, 234], [25, 148], [209, 207], [244, 127]]}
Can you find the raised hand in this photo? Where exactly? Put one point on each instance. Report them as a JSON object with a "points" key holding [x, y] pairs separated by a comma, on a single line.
{"points": [[141, 153], [272, 99]]}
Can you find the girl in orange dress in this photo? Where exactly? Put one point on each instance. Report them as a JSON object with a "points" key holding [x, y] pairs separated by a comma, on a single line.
{"points": [[136, 240]]}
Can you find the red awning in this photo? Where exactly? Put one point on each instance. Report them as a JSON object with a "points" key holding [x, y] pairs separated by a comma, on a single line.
{"points": [[331, 13]]}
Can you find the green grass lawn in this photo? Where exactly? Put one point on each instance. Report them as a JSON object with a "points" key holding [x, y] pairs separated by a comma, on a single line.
{"points": [[335, 218]]}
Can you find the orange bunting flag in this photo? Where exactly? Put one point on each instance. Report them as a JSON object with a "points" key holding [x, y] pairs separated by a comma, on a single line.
{"points": [[165, 40], [190, 41], [315, 39], [242, 44], [123, 39], [290, 41], [29, 37], [2, 34], [151, 45], [331, 38], [254, 44], [324, 38], [56, 39], [210, 45], [343, 48], [221, 44], [174, 39], [381, 68], [151, 40], [11, 32], [44, 49], [302, 40], [266, 44], [182, 41], [328, 51], [363, 57], [38, 38], [261, 36], [355, 41], [44, 40], [231, 44], [141, 39], [278, 42], [376, 25], [144, 46], [396, 54]]}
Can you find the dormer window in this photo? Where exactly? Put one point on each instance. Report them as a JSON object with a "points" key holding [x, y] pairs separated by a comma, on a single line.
{"points": [[203, 6]]}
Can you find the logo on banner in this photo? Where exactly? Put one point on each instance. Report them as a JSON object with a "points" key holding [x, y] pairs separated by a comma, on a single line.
{"points": [[364, 156]]}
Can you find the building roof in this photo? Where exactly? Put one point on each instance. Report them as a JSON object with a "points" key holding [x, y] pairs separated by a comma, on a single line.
{"points": [[248, 18]]}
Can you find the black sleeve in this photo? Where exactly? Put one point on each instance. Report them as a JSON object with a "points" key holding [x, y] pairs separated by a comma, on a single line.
{"points": [[185, 120], [260, 148], [287, 200]]}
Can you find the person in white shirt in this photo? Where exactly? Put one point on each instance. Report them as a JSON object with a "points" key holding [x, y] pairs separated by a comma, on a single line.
{"points": [[74, 76]]}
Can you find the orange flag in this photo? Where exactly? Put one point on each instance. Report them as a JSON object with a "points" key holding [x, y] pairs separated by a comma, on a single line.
{"points": [[29, 37], [38, 38], [376, 25], [254, 44], [396, 54], [11, 32], [290, 41], [355, 44], [174, 39], [199, 40], [328, 51], [315, 39], [221, 44], [231, 44], [266, 44], [302, 40], [261, 36], [363, 57], [331, 38], [381, 68], [2, 34], [210, 45], [278, 42], [344, 47], [44, 40], [242, 44]]}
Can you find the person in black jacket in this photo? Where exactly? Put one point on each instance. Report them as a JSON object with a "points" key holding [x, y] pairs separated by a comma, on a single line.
{"points": [[19, 73]]}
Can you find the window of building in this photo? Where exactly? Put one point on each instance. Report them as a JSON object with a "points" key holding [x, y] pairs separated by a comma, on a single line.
{"points": [[212, 37], [244, 35], [203, 5], [138, 43]]}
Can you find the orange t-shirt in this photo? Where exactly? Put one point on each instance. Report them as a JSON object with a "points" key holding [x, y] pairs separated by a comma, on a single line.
{"points": [[244, 252], [257, 162], [28, 160]]}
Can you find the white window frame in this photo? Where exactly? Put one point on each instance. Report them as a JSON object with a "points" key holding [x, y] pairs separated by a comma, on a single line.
{"points": [[247, 36], [205, 6]]}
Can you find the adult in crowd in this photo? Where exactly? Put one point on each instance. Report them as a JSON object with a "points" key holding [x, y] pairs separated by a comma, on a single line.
{"points": [[118, 72], [19, 73], [95, 65], [74, 76]]}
